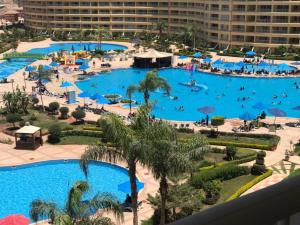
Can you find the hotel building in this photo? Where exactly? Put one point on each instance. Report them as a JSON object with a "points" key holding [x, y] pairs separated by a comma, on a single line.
{"points": [[225, 23]]}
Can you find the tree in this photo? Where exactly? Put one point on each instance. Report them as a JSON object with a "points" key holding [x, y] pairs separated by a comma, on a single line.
{"points": [[100, 33], [212, 191], [191, 34], [54, 133], [230, 152], [77, 211], [53, 107], [64, 112], [129, 92], [17, 101], [78, 114], [150, 83], [13, 118], [281, 49], [161, 27], [165, 157], [127, 148]]}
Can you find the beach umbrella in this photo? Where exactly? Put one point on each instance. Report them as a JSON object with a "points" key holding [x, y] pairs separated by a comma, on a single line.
{"points": [[247, 116], [241, 63], [251, 53], [218, 61], [65, 84], [283, 67], [54, 64], [30, 69], [126, 187], [47, 67], [263, 64], [15, 219], [84, 67], [295, 63], [276, 113], [182, 57], [207, 60], [84, 95], [79, 61], [260, 106], [95, 96], [197, 55], [102, 100], [206, 110]]}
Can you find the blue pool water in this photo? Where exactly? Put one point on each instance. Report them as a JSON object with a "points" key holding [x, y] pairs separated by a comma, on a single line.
{"points": [[11, 66], [222, 92], [77, 46], [51, 181]]}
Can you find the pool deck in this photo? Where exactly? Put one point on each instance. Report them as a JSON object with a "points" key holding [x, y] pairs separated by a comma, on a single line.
{"points": [[9, 156]]}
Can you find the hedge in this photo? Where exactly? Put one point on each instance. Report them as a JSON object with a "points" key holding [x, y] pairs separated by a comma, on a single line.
{"points": [[87, 133], [250, 184], [237, 161], [250, 135], [220, 173], [241, 144], [91, 128]]}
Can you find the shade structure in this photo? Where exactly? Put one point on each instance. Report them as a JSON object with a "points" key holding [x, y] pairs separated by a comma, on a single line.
{"points": [[66, 84], [47, 67], [277, 112], [152, 59], [84, 67], [55, 64], [30, 69], [247, 116], [197, 55], [79, 61], [207, 60], [182, 57], [283, 67], [260, 106], [251, 53], [126, 188], [15, 219], [218, 61], [95, 96], [241, 63], [297, 108], [206, 109], [102, 100], [263, 64], [84, 95]]}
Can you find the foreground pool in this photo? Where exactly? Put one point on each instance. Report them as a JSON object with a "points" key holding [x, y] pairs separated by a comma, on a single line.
{"points": [[69, 46], [8, 67], [51, 181], [222, 92]]}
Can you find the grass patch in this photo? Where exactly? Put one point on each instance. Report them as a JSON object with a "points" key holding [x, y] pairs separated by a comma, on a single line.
{"points": [[295, 173], [231, 186], [78, 140]]}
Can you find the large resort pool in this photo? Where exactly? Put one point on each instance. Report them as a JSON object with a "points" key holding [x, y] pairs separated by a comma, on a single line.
{"points": [[231, 96], [51, 181]]}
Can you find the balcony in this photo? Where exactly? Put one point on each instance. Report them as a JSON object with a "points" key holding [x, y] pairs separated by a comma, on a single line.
{"points": [[274, 205]]}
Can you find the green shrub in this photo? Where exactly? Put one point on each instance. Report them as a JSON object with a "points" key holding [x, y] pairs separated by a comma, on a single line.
{"points": [[64, 112], [33, 117], [217, 120], [68, 127], [250, 184], [54, 133], [53, 107], [35, 101], [78, 114], [92, 128], [259, 166], [212, 191], [240, 144], [237, 161], [185, 130], [13, 118], [230, 152], [220, 173], [87, 133]]}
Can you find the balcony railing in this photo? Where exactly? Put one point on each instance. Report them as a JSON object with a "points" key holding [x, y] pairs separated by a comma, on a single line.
{"points": [[274, 205]]}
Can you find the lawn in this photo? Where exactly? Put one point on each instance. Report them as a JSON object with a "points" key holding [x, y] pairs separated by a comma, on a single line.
{"points": [[78, 140], [231, 186]]}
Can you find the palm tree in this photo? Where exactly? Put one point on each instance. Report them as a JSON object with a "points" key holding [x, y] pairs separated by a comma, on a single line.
{"points": [[129, 92], [101, 32], [150, 83], [127, 149], [165, 157], [77, 211], [161, 27], [191, 33], [42, 74]]}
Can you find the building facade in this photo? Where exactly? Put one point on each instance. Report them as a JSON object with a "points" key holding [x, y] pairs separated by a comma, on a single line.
{"points": [[225, 23]]}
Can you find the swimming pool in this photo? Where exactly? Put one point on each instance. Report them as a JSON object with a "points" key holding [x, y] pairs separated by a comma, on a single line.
{"points": [[55, 47], [51, 181], [222, 92], [11, 66]]}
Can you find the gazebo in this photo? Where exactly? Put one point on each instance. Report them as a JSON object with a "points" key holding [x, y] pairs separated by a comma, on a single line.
{"points": [[152, 59], [28, 137]]}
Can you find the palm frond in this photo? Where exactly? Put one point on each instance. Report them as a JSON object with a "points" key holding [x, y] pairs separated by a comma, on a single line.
{"points": [[63, 219], [40, 208]]}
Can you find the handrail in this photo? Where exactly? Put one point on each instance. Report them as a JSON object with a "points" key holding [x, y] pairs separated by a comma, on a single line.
{"points": [[264, 207]]}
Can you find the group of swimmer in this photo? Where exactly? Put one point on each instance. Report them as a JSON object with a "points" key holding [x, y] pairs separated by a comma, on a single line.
{"points": [[179, 108]]}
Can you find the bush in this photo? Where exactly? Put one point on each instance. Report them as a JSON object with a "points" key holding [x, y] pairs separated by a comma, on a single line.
{"points": [[53, 107], [54, 133], [213, 133], [92, 128], [217, 120], [35, 101], [13, 118], [185, 130], [240, 144], [78, 114], [250, 184], [259, 166], [238, 161], [221, 173], [212, 191], [33, 117], [230, 152], [68, 127], [64, 112], [87, 133]]}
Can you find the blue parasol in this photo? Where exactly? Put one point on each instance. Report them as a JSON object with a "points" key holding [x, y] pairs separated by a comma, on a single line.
{"points": [[207, 60], [66, 84], [218, 61], [251, 53], [247, 116], [84, 67], [277, 112], [182, 57], [30, 69], [79, 61], [197, 55], [263, 64], [206, 109], [54, 64], [84, 95], [260, 106], [126, 187], [241, 63], [47, 67]]}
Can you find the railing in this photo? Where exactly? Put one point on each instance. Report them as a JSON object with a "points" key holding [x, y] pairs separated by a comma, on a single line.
{"points": [[274, 205]]}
